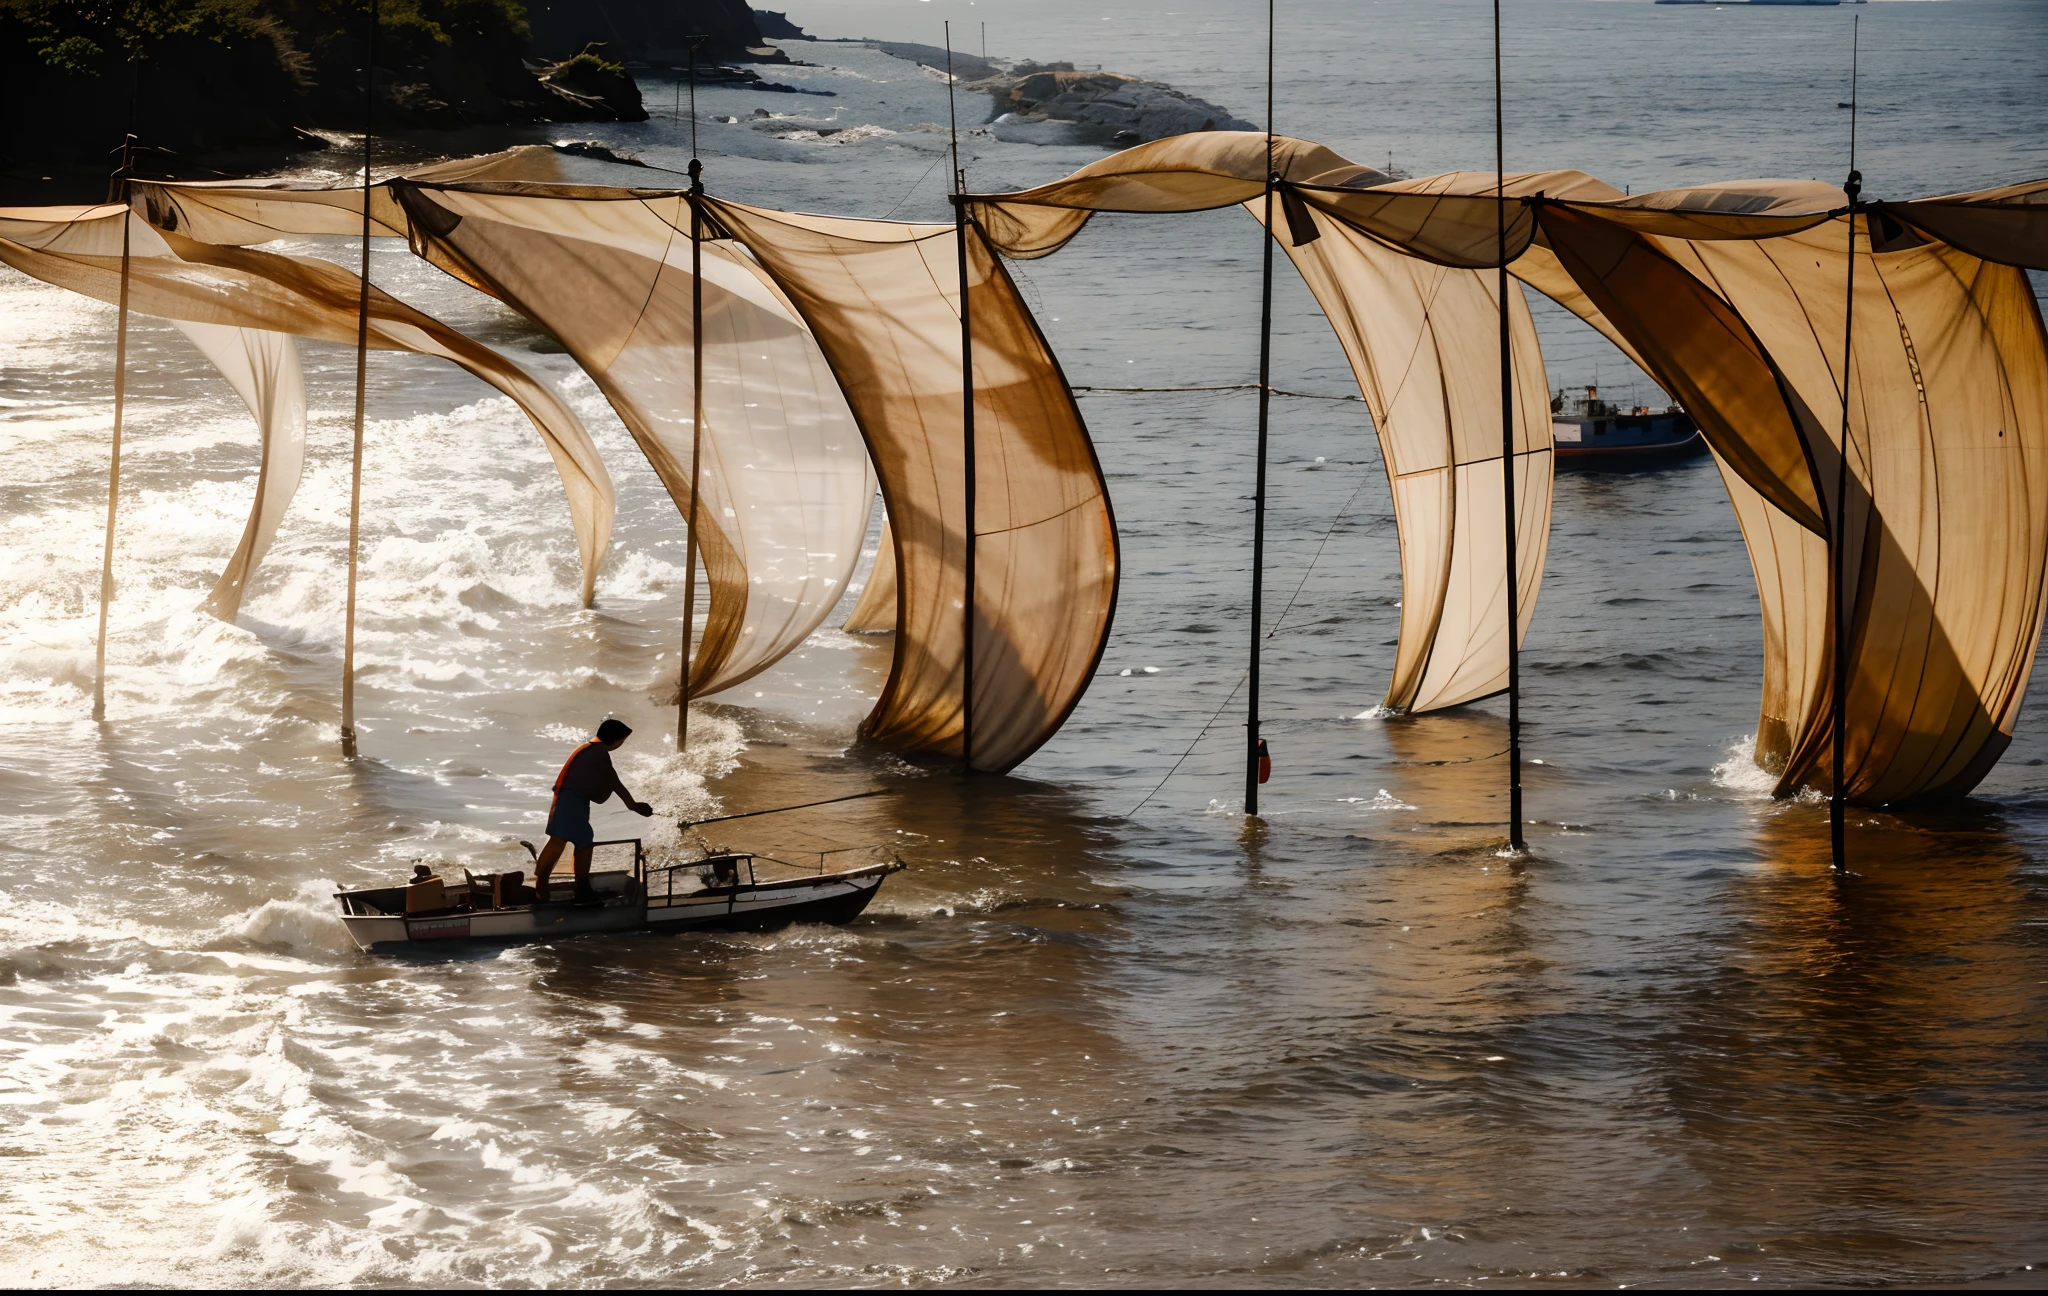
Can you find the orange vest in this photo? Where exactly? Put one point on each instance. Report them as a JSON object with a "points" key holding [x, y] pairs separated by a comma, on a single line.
{"points": [[563, 777]]}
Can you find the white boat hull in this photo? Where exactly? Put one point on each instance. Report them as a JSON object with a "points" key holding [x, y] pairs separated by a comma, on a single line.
{"points": [[622, 906]]}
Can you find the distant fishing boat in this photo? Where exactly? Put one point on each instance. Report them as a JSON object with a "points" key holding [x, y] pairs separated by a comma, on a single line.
{"points": [[728, 891], [1593, 435]]}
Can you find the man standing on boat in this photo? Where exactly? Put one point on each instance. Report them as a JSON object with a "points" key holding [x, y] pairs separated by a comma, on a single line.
{"points": [[587, 779]]}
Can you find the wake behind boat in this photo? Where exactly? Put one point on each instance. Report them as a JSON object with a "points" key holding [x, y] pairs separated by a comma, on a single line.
{"points": [[726, 891]]}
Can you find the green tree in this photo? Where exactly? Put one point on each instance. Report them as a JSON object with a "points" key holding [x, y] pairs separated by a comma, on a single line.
{"points": [[81, 35]]}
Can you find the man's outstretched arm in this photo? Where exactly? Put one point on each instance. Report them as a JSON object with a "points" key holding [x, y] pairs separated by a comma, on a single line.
{"points": [[633, 803]]}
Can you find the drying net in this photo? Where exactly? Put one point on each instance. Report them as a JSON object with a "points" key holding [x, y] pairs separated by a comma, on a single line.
{"points": [[1731, 296], [1946, 519], [1424, 342], [787, 494], [882, 299], [785, 483], [2008, 225], [607, 271], [263, 368], [1423, 339], [232, 294], [874, 612]]}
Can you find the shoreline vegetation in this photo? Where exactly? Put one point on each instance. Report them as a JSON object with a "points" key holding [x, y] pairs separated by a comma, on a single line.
{"points": [[231, 88], [216, 88]]}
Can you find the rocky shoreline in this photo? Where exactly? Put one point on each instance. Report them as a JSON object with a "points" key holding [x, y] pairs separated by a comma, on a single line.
{"points": [[241, 87]]}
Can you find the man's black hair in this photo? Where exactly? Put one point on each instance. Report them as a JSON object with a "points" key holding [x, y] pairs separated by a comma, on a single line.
{"points": [[612, 730]]}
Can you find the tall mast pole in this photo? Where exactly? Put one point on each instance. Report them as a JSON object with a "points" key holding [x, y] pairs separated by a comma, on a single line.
{"points": [[355, 476], [1838, 718], [967, 447], [1251, 722], [99, 670], [690, 547], [1507, 457]]}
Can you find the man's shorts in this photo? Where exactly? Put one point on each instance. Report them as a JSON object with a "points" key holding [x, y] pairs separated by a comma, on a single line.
{"points": [[569, 819]]}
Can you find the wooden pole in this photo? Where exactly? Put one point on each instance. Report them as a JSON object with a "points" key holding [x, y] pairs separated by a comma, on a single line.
{"points": [[99, 671], [971, 481], [1838, 718], [1251, 723], [690, 547], [1838, 713], [1507, 459], [355, 474], [967, 446]]}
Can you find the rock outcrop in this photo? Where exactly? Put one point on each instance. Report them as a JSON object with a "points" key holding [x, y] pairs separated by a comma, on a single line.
{"points": [[777, 26], [1098, 107], [1051, 103], [594, 87]]}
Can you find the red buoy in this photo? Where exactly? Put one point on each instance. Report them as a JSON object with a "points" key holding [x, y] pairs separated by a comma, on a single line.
{"points": [[1265, 762]]}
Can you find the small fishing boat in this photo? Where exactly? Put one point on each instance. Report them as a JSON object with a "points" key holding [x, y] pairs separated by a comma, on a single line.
{"points": [[1593, 435], [728, 891]]}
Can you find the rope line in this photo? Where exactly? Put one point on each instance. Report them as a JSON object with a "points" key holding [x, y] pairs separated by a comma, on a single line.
{"points": [[754, 814], [913, 186], [1191, 746], [1250, 386], [1335, 522], [1306, 572]]}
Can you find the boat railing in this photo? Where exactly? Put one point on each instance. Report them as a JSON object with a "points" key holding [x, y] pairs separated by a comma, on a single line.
{"points": [[717, 870], [483, 890], [639, 858], [720, 869], [828, 860]]}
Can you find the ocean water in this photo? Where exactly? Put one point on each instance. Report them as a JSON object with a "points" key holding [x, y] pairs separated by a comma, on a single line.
{"points": [[1102, 1031]]}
